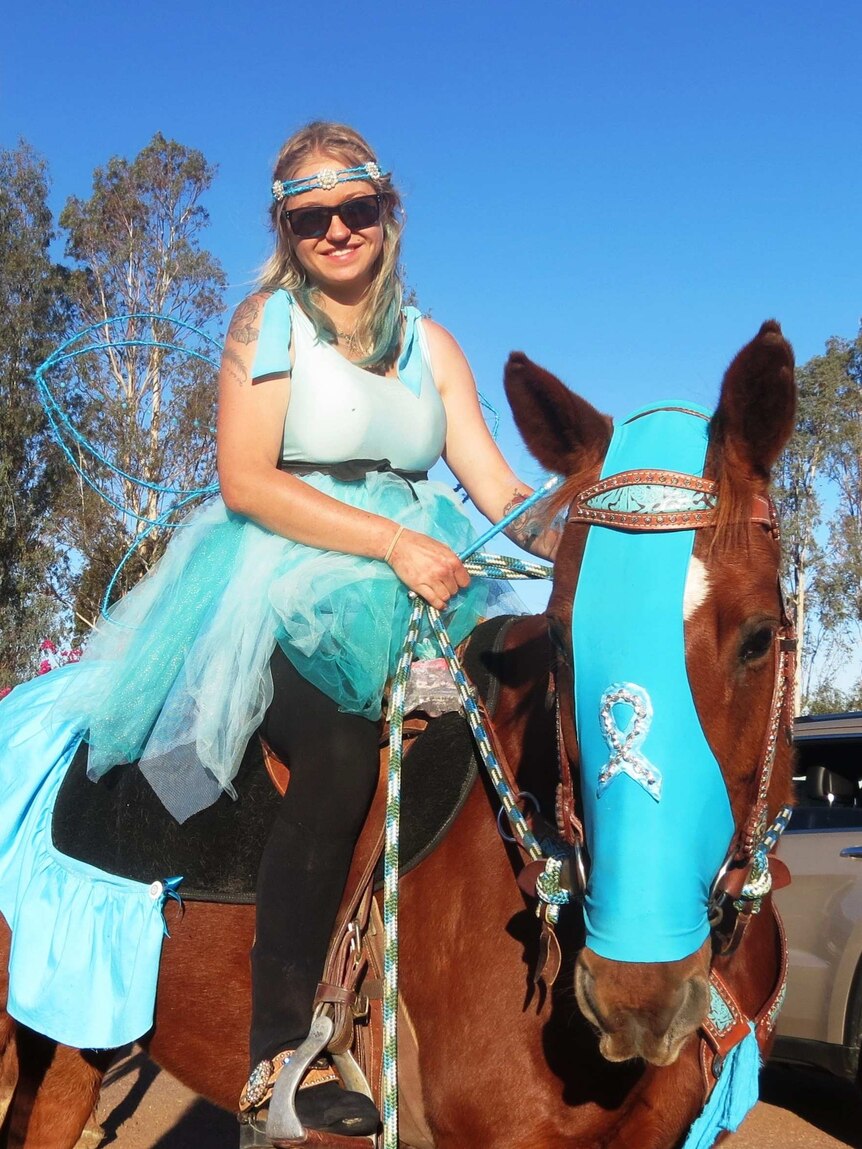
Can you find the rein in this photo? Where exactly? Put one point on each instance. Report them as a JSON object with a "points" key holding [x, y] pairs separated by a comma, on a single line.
{"points": [[552, 895]]}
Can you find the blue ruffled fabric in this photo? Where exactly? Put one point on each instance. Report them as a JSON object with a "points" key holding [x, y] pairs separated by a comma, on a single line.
{"points": [[182, 677], [85, 945]]}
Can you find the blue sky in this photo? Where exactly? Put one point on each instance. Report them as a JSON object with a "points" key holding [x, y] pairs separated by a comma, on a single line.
{"points": [[623, 190]]}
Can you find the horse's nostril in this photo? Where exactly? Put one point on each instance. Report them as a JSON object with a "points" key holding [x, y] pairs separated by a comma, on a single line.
{"points": [[696, 1002], [648, 1018]]}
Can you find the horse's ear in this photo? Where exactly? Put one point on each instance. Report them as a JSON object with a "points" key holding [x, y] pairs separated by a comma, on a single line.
{"points": [[757, 407], [561, 430]]}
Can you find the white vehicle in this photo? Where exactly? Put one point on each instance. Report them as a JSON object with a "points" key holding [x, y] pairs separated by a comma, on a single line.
{"points": [[821, 1021]]}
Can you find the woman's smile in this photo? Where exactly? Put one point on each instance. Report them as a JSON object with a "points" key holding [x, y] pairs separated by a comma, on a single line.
{"points": [[341, 258], [342, 254]]}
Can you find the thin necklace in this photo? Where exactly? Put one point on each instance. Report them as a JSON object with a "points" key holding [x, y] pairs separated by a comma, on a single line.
{"points": [[348, 338], [349, 341]]}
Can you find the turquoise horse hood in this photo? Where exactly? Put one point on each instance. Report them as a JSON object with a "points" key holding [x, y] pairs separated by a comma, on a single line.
{"points": [[656, 807]]}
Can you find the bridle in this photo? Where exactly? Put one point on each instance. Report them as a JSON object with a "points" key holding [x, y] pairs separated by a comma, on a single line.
{"points": [[664, 500], [660, 500]]}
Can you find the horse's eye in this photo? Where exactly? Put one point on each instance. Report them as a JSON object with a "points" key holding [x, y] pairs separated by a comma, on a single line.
{"points": [[757, 643]]}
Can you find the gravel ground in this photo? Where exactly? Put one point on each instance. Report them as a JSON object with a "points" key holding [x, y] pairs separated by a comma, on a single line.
{"points": [[142, 1107]]}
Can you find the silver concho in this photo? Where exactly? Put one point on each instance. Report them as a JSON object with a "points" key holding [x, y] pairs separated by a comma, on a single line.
{"points": [[258, 1082]]}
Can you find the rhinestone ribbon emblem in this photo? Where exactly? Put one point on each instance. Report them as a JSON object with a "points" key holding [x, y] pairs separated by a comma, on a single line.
{"points": [[624, 741]]}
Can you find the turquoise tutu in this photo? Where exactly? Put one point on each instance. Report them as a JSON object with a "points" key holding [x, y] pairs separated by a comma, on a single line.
{"points": [[180, 674]]}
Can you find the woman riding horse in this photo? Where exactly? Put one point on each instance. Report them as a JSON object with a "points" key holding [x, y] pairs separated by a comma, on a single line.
{"points": [[487, 1060], [281, 604]]}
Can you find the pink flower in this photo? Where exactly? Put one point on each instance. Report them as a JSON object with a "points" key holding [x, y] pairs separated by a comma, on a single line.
{"points": [[45, 666], [4, 690], [48, 645]]}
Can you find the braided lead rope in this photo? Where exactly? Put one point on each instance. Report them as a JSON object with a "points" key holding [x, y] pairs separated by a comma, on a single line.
{"points": [[490, 566], [777, 828], [390, 879], [759, 880], [505, 567], [508, 800]]}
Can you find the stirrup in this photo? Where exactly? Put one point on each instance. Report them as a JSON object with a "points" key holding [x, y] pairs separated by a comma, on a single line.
{"points": [[267, 1105], [282, 1124], [255, 1097]]}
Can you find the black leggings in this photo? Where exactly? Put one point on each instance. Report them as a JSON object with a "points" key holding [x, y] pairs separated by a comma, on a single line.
{"points": [[333, 760]]}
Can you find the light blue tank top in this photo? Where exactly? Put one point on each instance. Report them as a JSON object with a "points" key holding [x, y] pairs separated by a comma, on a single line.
{"points": [[338, 411]]}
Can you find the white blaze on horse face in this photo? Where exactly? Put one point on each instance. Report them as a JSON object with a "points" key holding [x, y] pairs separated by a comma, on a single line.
{"points": [[696, 588]]}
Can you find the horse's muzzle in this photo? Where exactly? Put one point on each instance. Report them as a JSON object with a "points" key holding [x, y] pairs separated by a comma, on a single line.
{"points": [[643, 1009]]}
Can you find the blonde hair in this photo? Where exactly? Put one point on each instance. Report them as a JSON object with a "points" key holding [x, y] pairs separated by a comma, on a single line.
{"points": [[379, 327]]}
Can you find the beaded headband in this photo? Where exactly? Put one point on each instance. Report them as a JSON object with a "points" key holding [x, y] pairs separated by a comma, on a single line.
{"points": [[326, 178]]}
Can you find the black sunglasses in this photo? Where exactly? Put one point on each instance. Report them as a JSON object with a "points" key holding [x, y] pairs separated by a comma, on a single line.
{"points": [[313, 222]]}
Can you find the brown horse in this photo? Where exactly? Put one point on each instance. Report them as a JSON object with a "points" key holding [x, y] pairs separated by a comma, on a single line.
{"points": [[504, 1064]]}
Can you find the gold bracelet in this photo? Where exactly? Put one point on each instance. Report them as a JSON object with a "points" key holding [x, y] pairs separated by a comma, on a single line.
{"points": [[391, 547]]}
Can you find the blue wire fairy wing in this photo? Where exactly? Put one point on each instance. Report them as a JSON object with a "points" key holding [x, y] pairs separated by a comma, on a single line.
{"points": [[148, 358]]}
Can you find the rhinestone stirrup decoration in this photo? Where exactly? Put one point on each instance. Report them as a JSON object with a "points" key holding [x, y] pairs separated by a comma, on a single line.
{"points": [[258, 1085], [624, 741], [258, 1088]]}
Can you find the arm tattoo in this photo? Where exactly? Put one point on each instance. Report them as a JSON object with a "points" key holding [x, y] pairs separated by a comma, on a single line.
{"points": [[532, 531], [527, 527], [244, 327], [234, 365]]}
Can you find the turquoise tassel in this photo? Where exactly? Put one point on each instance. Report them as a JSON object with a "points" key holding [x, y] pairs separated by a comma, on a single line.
{"points": [[734, 1095]]}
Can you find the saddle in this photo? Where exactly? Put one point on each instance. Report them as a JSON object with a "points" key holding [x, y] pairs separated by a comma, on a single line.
{"points": [[119, 826]]}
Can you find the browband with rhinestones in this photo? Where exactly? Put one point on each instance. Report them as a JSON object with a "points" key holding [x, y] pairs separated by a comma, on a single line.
{"points": [[658, 500], [649, 500], [326, 179]]}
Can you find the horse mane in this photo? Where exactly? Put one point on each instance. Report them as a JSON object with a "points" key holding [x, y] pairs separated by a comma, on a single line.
{"points": [[734, 511], [562, 498]]}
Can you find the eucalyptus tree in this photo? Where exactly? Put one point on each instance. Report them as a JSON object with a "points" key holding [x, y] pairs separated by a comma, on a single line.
{"points": [[845, 471], [819, 493], [34, 313], [145, 407]]}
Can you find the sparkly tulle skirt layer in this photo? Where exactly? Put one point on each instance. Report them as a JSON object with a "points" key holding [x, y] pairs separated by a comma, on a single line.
{"points": [[179, 677]]}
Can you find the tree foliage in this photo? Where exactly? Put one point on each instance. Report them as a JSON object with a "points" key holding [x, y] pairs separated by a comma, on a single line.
{"points": [[827, 698], [845, 470], [819, 494], [136, 247], [34, 316]]}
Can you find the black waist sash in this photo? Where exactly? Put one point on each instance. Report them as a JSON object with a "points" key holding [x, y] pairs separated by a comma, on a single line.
{"points": [[351, 470]]}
